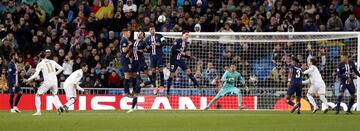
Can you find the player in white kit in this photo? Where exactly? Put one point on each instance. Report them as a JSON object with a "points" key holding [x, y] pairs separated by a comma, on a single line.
{"points": [[317, 86], [71, 84], [50, 69]]}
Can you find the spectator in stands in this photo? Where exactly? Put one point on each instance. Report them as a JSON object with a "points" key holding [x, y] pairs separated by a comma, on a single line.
{"points": [[3, 83], [2, 64], [253, 81], [277, 73], [129, 6], [310, 26], [5, 49], [88, 83], [346, 13], [114, 80], [351, 24], [357, 10], [106, 11], [68, 66], [334, 23]]}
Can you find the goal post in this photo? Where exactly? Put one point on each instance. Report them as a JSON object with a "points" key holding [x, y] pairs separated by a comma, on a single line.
{"points": [[263, 59]]}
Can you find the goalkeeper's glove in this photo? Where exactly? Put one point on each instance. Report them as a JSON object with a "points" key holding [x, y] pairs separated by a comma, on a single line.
{"points": [[231, 79], [247, 89]]}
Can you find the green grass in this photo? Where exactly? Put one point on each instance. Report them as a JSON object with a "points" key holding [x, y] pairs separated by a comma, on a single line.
{"points": [[180, 121]]}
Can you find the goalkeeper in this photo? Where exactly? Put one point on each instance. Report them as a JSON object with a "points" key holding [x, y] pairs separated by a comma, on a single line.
{"points": [[229, 78]]}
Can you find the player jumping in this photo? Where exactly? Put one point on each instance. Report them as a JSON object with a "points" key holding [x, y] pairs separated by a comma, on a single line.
{"points": [[139, 66], [345, 73], [177, 52], [71, 84], [125, 59], [155, 43], [295, 85], [229, 78], [48, 69], [317, 86], [12, 79]]}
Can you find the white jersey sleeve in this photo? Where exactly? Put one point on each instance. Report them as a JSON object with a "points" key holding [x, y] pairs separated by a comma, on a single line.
{"points": [[37, 72], [310, 70]]}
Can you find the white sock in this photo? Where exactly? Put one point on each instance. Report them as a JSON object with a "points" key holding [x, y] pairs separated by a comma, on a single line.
{"points": [[57, 102], [70, 102], [312, 101], [37, 103], [324, 100]]}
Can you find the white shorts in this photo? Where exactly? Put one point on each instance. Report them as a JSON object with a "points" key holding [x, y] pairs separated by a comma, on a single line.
{"points": [[46, 86], [320, 89], [70, 90]]}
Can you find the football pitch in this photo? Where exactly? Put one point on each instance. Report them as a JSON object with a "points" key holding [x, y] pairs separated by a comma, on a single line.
{"points": [[179, 121]]}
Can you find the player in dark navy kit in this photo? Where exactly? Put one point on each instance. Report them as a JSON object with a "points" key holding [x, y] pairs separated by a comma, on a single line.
{"points": [[345, 73], [12, 81], [139, 66], [295, 85], [126, 60], [177, 52], [155, 42]]}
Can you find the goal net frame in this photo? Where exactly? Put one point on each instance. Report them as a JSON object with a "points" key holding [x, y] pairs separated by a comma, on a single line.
{"points": [[239, 37]]}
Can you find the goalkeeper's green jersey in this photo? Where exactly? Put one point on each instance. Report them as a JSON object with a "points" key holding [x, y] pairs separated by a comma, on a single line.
{"points": [[228, 75]]}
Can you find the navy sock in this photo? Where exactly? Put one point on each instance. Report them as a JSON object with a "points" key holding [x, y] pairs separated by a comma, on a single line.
{"points": [[339, 102], [351, 103], [134, 102], [126, 86], [290, 103], [147, 83], [169, 85], [299, 105], [17, 99], [162, 81], [11, 101], [153, 75], [135, 85], [193, 80], [151, 79]]}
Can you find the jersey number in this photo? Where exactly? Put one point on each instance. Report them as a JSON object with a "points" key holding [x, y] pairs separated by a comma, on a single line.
{"points": [[298, 74], [50, 68]]}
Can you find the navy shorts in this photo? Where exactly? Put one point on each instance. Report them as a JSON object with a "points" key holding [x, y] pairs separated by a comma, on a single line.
{"points": [[139, 65], [295, 88], [13, 90], [126, 64], [350, 87], [156, 61], [174, 64]]}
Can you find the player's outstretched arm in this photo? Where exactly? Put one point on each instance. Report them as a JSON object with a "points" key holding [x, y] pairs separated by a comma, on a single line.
{"points": [[36, 74], [242, 79], [79, 88], [355, 70], [59, 68], [311, 69], [162, 41], [223, 78], [305, 82], [290, 76]]}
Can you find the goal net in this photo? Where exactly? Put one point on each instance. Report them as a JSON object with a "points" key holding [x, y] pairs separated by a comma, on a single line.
{"points": [[263, 59]]}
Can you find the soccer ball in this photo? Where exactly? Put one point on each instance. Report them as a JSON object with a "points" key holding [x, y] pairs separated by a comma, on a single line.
{"points": [[161, 18]]}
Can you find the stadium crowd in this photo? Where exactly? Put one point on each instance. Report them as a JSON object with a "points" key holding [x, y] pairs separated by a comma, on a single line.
{"points": [[75, 31]]}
